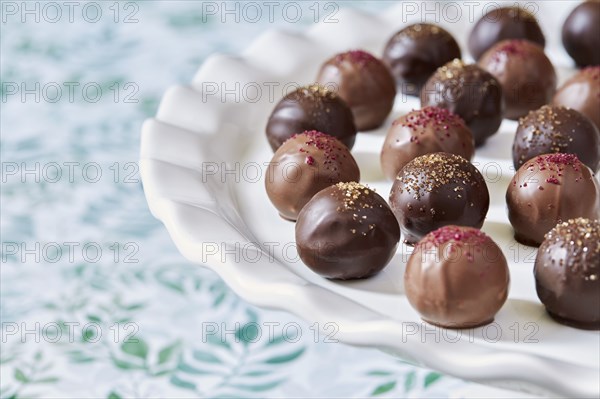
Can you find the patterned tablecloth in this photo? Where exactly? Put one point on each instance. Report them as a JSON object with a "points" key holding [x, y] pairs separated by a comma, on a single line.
{"points": [[96, 301]]}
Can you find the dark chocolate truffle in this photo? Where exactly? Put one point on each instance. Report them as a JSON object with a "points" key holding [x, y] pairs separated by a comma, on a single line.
{"points": [[457, 277], [581, 34], [501, 24], [567, 273], [527, 76], [364, 82], [582, 93], [311, 108], [414, 53], [437, 190], [421, 132], [304, 165], [347, 231], [469, 91], [556, 129], [547, 190]]}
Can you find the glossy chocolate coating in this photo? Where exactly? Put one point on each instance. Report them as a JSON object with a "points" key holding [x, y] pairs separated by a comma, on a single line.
{"points": [[364, 82], [567, 273], [502, 24], [311, 108], [471, 93], [527, 76], [437, 190], [422, 132], [457, 277], [347, 231], [556, 129], [582, 93], [414, 53], [549, 189], [304, 165], [581, 34]]}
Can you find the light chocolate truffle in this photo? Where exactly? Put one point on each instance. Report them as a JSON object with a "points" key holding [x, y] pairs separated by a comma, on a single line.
{"points": [[582, 93], [421, 132]]}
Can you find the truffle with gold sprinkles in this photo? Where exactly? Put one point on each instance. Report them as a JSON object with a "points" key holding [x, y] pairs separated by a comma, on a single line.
{"points": [[567, 273], [346, 231], [436, 190], [313, 107]]}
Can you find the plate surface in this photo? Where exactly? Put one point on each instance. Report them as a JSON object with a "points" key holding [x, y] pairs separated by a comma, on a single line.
{"points": [[203, 159]]}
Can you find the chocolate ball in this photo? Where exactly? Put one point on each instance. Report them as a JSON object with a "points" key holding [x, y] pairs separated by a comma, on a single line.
{"points": [[556, 129], [501, 24], [471, 93], [567, 273], [414, 53], [457, 277], [364, 82], [581, 34], [547, 190], [311, 108], [422, 132], [347, 231], [527, 76], [582, 93], [437, 190], [304, 165]]}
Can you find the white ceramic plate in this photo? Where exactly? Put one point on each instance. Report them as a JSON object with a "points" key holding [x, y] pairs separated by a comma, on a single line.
{"points": [[202, 164]]}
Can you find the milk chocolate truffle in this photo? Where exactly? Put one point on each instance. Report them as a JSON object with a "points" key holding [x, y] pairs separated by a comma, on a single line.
{"points": [[437, 190], [364, 82], [567, 273], [469, 91], [304, 165], [547, 190], [422, 132], [346, 231], [311, 108], [581, 34], [501, 24], [556, 129], [457, 277], [527, 76], [414, 53], [582, 93]]}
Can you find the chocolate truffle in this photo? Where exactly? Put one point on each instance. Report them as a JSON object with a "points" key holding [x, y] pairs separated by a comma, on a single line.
{"points": [[581, 34], [556, 129], [346, 231], [437, 190], [421, 132], [549, 189], [567, 273], [501, 24], [311, 108], [364, 82], [457, 277], [582, 93], [469, 91], [527, 76], [414, 53], [304, 165]]}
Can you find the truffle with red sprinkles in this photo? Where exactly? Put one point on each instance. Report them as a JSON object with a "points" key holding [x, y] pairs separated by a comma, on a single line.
{"points": [[527, 76], [437, 190], [364, 82], [422, 132], [457, 277], [347, 231], [567, 273], [557, 129], [304, 165], [547, 190], [312, 107], [582, 93]]}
